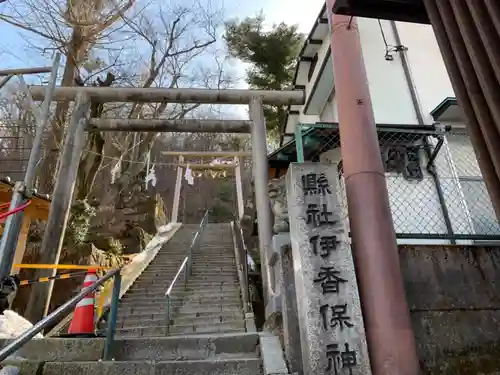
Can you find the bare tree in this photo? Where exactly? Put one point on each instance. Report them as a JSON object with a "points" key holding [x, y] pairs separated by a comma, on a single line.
{"points": [[72, 27], [152, 45], [177, 45]]}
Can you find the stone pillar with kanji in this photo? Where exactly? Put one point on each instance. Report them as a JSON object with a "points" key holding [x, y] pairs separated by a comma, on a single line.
{"points": [[332, 333]]}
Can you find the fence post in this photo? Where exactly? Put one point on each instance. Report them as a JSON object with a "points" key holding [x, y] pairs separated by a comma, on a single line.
{"points": [[110, 334]]}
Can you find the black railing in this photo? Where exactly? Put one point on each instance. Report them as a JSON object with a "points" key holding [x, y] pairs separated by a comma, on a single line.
{"points": [[65, 308], [186, 267]]}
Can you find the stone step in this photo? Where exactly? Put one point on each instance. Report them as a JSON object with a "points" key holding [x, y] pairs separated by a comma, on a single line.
{"points": [[214, 262], [216, 245], [207, 292], [201, 267], [168, 258], [240, 366], [197, 299], [178, 320], [206, 260], [158, 302], [167, 261], [223, 251], [201, 273], [60, 349], [157, 283], [184, 317], [211, 280], [235, 314], [159, 308], [161, 331], [201, 299], [192, 284], [196, 283], [191, 347]]}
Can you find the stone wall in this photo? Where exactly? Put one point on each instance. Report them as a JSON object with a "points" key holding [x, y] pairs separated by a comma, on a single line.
{"points": [[454, 297]]}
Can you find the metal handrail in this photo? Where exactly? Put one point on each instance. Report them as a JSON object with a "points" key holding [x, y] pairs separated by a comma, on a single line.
{"points": [[60, 311], [242, 254], [186, 266]]}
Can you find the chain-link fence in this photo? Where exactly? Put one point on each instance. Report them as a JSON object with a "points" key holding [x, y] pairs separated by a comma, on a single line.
{"points": [[435, 187], [15, 145]]}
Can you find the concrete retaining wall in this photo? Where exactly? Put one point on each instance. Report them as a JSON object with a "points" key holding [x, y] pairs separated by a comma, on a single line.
{"points": [[454, 297]]}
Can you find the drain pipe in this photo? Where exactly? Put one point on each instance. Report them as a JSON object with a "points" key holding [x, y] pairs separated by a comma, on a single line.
{"points": [[389, 332], [431, 166]]}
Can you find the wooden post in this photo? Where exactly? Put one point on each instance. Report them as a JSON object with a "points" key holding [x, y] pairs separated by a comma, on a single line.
{"points": [[21, 243], [239, 189], [177, 192], [60, 207]]}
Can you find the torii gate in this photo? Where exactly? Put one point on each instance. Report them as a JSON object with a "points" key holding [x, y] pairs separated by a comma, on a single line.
{"points": [[235, 165], [74, 147]]}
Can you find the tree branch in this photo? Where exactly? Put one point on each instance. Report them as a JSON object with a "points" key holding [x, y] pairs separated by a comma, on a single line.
{"points": [[30, 29]]}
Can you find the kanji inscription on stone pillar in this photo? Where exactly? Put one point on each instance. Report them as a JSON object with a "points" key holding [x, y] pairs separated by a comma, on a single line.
{"points": [[332, 332]]}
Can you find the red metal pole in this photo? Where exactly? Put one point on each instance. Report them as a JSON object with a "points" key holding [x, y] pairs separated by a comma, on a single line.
{"points": [[390, 338]]}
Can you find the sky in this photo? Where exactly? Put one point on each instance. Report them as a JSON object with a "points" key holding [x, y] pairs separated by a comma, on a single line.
{"points": [[300, 12], [14, 53]]}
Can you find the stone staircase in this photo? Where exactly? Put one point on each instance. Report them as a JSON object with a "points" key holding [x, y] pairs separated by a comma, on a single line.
{"points": [[207, 333], [211, 302], [178, 355]]}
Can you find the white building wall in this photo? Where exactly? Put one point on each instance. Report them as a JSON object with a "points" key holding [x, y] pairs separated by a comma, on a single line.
{"points": [[415, 205], [390, 97], [427, 67], [388, 87]]}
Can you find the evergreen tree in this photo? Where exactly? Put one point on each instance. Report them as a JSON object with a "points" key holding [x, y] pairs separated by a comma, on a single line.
{"points": [[272, 55]]}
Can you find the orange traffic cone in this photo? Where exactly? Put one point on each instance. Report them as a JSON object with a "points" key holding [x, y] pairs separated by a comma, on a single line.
{"points": [[83, 317]]}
